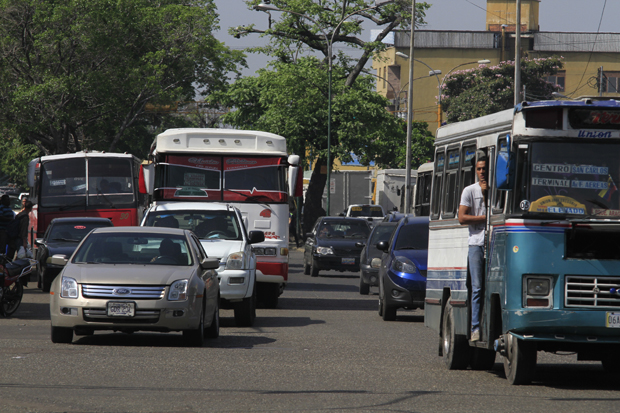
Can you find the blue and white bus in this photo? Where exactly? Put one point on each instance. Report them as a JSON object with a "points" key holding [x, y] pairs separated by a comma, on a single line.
{"points": [[552, 277]]}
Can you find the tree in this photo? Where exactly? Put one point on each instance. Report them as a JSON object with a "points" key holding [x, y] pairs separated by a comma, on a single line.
{"points": [[78, 74], [289, 99], [468, 94], [340, 21]]}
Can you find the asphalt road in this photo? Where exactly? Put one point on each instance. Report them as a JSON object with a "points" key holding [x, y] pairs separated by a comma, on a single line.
{"points": [[324, 349]]}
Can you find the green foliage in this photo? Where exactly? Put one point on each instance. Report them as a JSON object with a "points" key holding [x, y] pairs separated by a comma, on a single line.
{"points": [[78, 74], [15, 157], [468, 94], [292, 100]]}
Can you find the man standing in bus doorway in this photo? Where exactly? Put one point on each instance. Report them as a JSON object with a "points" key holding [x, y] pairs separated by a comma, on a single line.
{"points": [[472, 212]]}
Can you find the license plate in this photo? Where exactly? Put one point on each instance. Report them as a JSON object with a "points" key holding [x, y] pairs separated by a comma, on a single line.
{"points": [[613, 320], [348, 261], [121, 309]]}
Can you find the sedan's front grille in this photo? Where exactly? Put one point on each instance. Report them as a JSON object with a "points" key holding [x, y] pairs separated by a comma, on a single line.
{"points": [[100, 315], [123, 291], [347, 252], [592, 291]]}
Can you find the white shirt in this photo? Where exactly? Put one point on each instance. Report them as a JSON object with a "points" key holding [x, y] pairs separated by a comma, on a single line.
{"points": [[472, 198]]}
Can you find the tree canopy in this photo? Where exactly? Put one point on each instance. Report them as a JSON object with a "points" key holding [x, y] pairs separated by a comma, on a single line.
{"points": [[468, 94], [78, 75]]}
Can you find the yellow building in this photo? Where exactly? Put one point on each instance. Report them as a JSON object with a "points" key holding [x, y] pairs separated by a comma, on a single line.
{"points": [[448, 51]]}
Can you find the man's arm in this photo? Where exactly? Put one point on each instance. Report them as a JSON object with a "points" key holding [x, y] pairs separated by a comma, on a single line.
{"points": [[466, 219]]}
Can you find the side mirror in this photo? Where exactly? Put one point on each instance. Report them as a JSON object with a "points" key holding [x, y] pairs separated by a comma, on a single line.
{"points": [[38, 241], [256, 237], [505, 168], [383, 246], [59, 259], [210, 264]]}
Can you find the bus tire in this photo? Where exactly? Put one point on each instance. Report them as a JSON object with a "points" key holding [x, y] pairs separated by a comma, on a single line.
{"points": [[455, 346], [519, 361], [482, 359]]}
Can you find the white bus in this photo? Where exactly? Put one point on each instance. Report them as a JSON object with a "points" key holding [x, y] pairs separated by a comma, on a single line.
{"points": [[250, 170]]}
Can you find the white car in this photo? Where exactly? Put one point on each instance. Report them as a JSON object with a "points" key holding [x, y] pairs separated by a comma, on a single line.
{"points": [[373, 213], [223, 235]]}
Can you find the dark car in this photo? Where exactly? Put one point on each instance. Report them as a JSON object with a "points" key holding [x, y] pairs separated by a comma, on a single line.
{"points": [[333, 244], [402, 276], [395, 216], [370, 258], [62, 237]]}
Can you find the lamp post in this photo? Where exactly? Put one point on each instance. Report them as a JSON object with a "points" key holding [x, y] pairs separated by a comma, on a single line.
{"points": [[410, 114], [330, 42], [439, 113], [431, 73]]}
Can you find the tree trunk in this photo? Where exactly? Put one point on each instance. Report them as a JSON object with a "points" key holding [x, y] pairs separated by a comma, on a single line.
{"points": [[314, 195]]}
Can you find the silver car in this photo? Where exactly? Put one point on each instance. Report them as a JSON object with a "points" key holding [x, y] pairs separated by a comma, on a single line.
{"points": [[136, 278]]}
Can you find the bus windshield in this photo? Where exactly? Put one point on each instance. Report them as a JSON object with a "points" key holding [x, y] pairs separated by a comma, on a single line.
{"points": [[217, 178], [577, 179], [110, 182]]}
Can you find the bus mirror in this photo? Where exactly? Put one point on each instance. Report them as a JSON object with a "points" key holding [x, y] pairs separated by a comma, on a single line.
{"points": [[147, 178], [504, 171], [32, 166], [295, 179]]}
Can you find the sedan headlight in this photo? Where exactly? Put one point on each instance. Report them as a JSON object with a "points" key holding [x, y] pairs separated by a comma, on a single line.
{"points": [[403, 264], [235, 261], [178, 290], [68, 288], [325, 250]]}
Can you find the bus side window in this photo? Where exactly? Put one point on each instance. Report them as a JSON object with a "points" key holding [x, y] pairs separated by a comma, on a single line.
{"points": [[451, 192], [437, 183], [467, 168]]}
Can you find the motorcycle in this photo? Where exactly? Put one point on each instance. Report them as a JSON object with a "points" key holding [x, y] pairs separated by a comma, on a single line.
{"points": [[14, 275]]}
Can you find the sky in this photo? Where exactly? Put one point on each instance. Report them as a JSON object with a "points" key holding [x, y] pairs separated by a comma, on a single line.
{"points": [[555, 15]]}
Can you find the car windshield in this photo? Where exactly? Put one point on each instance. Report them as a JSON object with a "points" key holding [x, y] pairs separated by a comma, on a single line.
{"points": [[134, 248], [412, 237], [344, 229], [580, 179], [73, 231], [205, 224], [382, 233], [367, 211]]}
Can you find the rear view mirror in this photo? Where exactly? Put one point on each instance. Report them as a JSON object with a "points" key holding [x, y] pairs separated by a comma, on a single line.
{"points": [[256, 237], [210, 264], [59, 259]]}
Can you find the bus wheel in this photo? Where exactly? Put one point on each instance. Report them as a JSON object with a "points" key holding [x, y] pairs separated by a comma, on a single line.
{"points": [[455, 347], [482, 359], [519, 361]]}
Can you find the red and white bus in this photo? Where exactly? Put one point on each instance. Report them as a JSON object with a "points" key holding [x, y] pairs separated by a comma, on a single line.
{"points": [[248, 169], [86, 184]]}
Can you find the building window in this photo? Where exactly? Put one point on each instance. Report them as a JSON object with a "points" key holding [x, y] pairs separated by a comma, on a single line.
{"points": [[611, 82], [558, 79]]}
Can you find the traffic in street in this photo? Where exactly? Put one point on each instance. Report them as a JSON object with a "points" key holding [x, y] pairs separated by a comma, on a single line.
{"points": [[324, 348]]}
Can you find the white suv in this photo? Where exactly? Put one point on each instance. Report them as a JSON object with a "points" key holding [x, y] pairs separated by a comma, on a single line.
{"points": [[222, 235]]}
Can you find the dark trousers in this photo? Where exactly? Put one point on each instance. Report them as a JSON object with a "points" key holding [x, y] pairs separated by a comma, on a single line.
{"points": [[3, 241]]}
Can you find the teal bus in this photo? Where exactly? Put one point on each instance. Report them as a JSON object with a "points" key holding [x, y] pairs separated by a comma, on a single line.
{"points": [[552, 240]]}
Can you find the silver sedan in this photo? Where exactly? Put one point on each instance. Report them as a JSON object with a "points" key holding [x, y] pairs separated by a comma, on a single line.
{"points": [[136, 278]]}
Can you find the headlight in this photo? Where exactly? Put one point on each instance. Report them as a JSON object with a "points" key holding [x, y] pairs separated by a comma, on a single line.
{"points": [[324, 251], [235, 261], [538, 286], [375, 263], [537, 291], [68, 288], [178, 290], [403, 264]]}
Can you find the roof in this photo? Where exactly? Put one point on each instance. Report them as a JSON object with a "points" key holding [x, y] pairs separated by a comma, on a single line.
{"points": [[141, 230], [195, 206], [80, 219]]}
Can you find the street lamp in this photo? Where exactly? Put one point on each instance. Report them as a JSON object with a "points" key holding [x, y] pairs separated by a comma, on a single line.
{"points": [[439, 113], [410, 114], [329, 41], [431, 73]]}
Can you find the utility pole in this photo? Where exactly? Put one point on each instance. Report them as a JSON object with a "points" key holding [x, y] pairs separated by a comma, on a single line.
{"points": [[410, 115], [517, 85]]}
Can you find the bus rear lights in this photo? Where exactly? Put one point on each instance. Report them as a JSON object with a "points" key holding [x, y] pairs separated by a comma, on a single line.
{"points": [[206, 141], [236, 280], [284, 251]]}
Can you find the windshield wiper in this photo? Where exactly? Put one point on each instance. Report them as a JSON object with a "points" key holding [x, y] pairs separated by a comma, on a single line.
{"points": [[409, 247], [106, 198], [66, 239], [79, 202]]}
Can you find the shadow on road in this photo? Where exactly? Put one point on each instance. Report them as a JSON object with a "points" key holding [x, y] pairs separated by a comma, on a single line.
{"points": [[323, 304], [296, 286], [271, 322]]}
